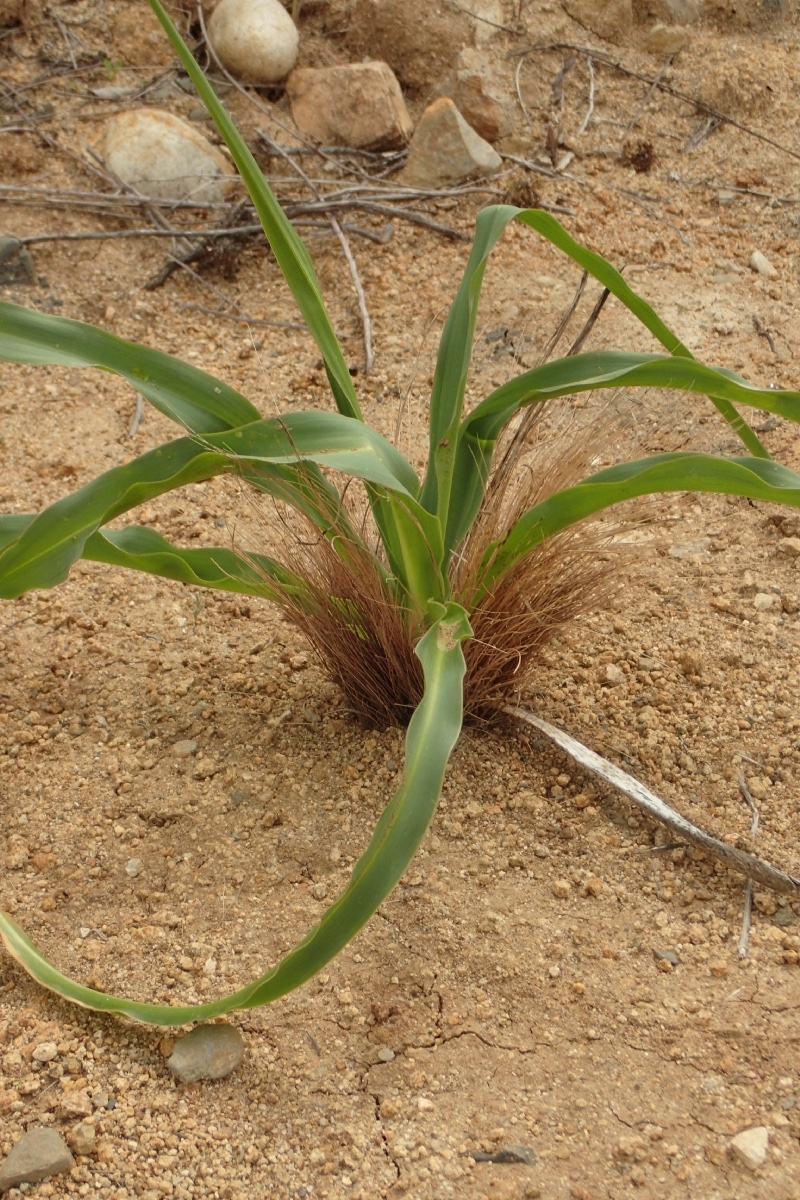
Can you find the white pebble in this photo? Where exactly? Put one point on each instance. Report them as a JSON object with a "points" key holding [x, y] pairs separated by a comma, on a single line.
{"points": [[255, 39], [761, 264]]}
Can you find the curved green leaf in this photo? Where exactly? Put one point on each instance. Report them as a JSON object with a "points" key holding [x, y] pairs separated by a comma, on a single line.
{"points": [[290, 252], [455, 347], [758, 478], [143, 549], [548, 227], [189, 396], [265, 452], [582, 373], [432, 733]]}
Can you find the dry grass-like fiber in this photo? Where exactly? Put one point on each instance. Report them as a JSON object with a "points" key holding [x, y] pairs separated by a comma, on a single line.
{"points": [[366, 640]]}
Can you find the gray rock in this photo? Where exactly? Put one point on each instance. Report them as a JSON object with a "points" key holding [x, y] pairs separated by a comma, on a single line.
{"points": [[37, 1155], [208, 1052], [255, 39], [184, 749], [445, 150], [751, 1146], [16, 264], [359, 105], [611, 20], [165, 158], [761, 265]]}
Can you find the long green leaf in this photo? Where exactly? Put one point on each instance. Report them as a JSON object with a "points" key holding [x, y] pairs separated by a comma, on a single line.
{"points": [[142, 549], [548, 227], [452, 364], [758, 478], [46, 549], [455, 347], [582, 373], [191, 397], [432, 733], [290, 252]]}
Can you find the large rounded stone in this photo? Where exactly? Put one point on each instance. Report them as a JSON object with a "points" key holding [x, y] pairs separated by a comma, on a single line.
{"points": [[254, 39], [208, 1052], [165, 158]]}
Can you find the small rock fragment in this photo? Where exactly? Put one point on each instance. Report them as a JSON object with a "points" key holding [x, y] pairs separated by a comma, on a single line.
{"points": [[359, 105], [750, 1146], [45, 1052], [133, 866], [668, 956], [165, 158], [386, 1054], [184, 749], [445, 150], [37, 1155], [689, 549], [763, 601], [666, 39], [761, 265], [74, 1106], [790, 546], [255, 39], [611, 675], [560, 889], [208, 1052], [82, 1137], [16, 264]]}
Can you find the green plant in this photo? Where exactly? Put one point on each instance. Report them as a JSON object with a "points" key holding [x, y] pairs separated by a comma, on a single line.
{"points": [[411, 605], [112, 67]]}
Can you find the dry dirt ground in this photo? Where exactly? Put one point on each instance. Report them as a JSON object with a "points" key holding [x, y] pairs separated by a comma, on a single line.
{"points": [[512, 981]]}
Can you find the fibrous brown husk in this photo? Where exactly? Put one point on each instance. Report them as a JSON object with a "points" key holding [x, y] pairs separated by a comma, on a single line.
{"points": [[366, 638]]}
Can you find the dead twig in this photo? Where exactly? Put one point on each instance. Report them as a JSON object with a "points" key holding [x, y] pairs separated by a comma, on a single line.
{"points": [[584, 125], [744, 937], [763, 332], [702, 132], [754, 868]]}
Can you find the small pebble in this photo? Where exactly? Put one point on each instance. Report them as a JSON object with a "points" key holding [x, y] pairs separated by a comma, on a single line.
{"points": [[750, 1146], [763, 602], [82, 1138], [385, 1054], [761, 265], [184, 749], [133, 866], [45, 1052], [560, 889], [611, 675], [208, 1052]]}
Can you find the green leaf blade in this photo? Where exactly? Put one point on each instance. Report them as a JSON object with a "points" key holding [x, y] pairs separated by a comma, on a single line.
{"points": [[190, 397], [291, 254], [756, 478], [432, 734]]}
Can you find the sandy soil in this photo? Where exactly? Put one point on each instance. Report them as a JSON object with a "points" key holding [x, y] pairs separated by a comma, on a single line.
{"points": [[510, 993]]}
